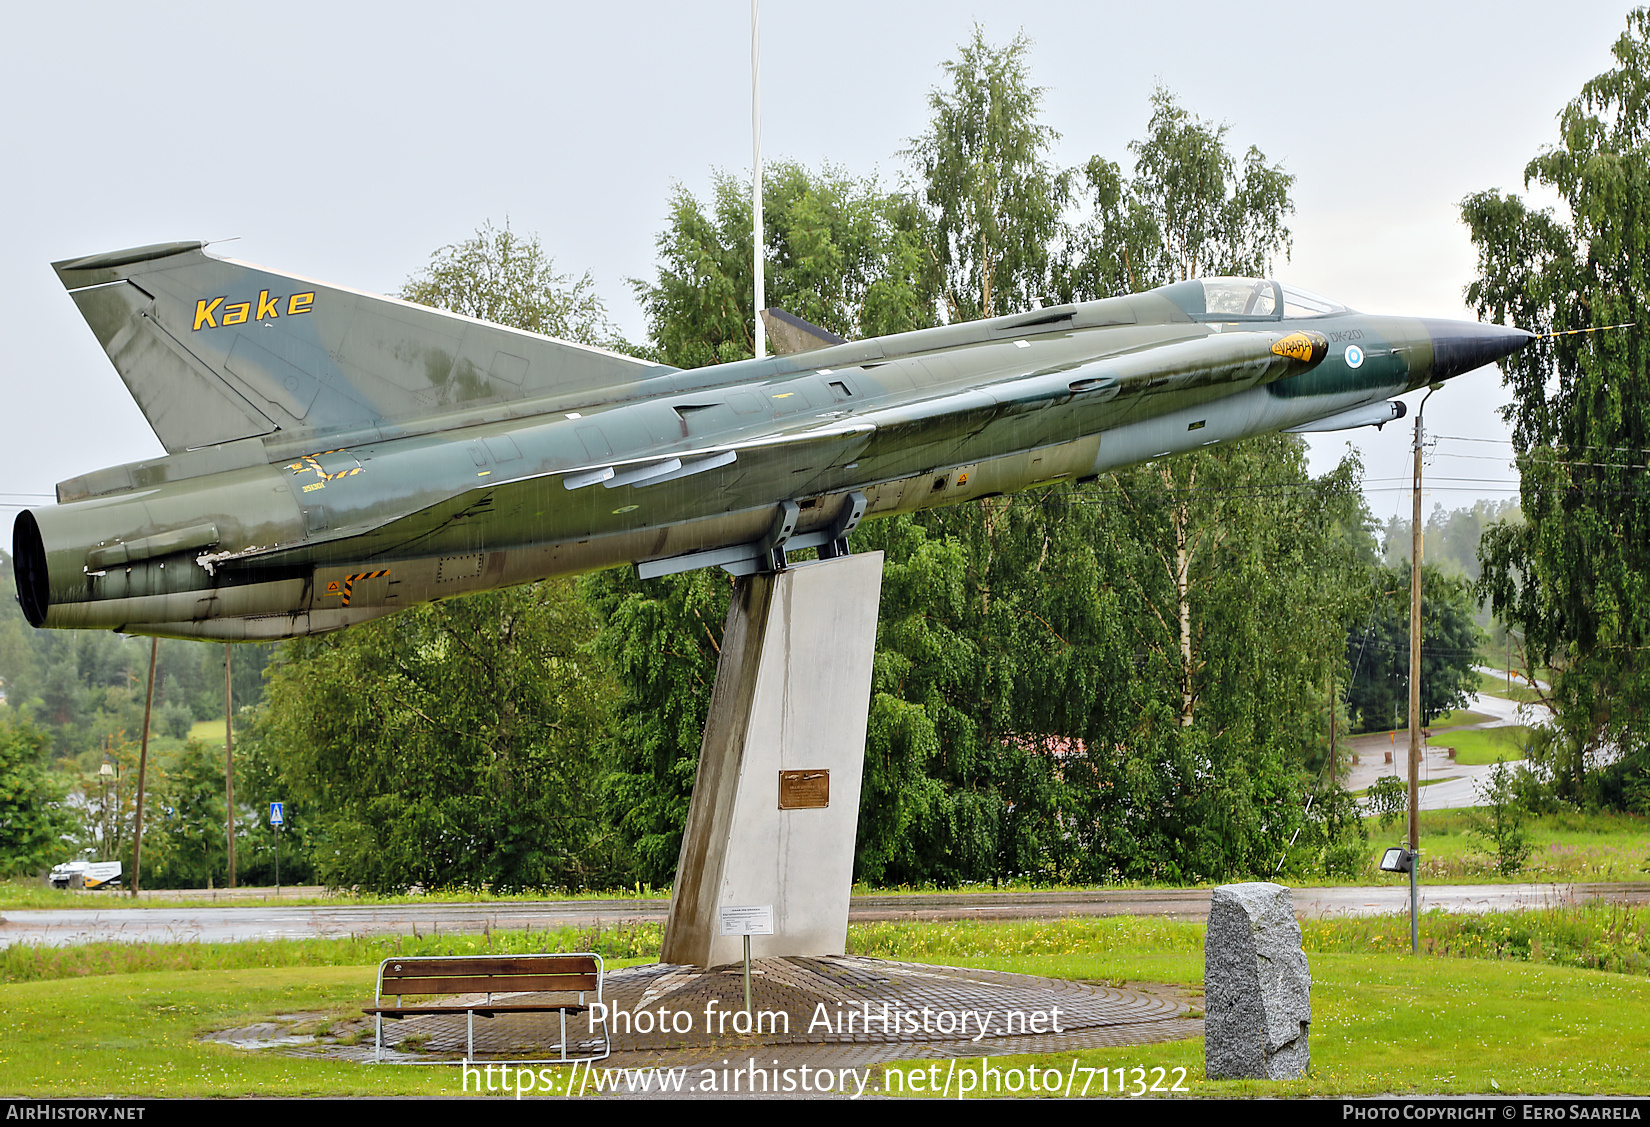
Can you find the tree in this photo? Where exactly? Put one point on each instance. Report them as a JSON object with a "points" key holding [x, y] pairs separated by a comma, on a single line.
{"points": [[840, 253], [662, 639], [184, 822], [1030, 681], [449, 744], [497, 275], [1378, 649], [1187, 212], [33, 822], [1500, 819], [1574, 578], [996, 201], [453, 743]]}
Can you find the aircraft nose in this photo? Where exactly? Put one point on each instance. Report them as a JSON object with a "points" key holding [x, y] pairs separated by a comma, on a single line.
{"points": [[1461, 346]]}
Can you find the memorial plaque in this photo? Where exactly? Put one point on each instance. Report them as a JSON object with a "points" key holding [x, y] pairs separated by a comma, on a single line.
{"points": [[804, 790]]}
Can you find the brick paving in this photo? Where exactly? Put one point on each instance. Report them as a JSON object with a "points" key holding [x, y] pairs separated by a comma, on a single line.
{"points": [[821, 1011]]}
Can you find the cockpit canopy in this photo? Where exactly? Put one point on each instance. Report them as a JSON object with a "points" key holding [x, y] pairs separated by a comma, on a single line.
{"points": [[1247, 299]]}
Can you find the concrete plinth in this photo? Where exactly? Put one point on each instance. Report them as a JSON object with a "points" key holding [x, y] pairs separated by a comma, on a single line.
{"points": [[793, 687]]}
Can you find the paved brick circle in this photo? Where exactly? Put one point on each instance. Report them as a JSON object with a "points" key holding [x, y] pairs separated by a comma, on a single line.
{"points": [[824, 1010]]}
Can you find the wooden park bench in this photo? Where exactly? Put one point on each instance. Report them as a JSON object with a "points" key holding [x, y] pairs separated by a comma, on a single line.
{"points": [[579, 973]]}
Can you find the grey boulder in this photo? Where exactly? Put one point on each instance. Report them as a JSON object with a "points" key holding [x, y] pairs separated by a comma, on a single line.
{"points": [[1257, 987]]}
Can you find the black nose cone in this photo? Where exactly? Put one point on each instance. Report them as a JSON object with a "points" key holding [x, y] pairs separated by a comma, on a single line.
{"points": [[1461, 346]]}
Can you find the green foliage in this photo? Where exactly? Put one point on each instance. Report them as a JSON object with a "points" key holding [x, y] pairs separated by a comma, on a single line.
{"points": [[33, 821], [1502, 820], [174, 720], [1025, 711], [1388, 800], [959, 778], [1575, 577], [84, 689], [497, 275], [1609, 937], [661, 638], [450, 743], [1188, 211], [840, 253], [1037, 712], [995, 199], [1378, 649]]}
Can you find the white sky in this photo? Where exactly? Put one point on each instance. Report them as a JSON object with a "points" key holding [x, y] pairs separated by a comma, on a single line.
{"points": [[349, 141]]}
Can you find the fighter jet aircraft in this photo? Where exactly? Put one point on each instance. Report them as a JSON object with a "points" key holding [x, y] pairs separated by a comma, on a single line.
{"points": [[333, 456]]}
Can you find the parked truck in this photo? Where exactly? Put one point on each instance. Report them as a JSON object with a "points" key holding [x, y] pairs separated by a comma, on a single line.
{"points": [[86, 874]]}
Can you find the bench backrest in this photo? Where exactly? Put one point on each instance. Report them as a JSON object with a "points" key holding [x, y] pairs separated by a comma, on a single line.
{"points": [[492, 975]]}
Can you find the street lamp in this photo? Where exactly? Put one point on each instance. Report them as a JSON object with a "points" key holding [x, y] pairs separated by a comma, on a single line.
{"points": [[1412, 861], [105, 774]]}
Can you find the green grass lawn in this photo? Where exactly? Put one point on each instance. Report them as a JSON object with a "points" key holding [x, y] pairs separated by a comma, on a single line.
{"points": [[1395, 1024], [1568, 846], [1448, 720], [1524, 1018], [1483, 746], [1495, 685], [207, 731]]}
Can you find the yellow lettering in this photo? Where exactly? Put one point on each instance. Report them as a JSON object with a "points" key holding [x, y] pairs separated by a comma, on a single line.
{"points": [[266, 306], [203, 312], [236, 314], [299, 303], [1308, 348], [1295, 345]]}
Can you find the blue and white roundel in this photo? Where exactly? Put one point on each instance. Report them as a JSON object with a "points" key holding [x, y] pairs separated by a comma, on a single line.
{"points": [[1354, 356]]}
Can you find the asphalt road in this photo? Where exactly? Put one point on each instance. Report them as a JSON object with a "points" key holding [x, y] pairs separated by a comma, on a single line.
{"points": [[1446, 784], [226, 924]]}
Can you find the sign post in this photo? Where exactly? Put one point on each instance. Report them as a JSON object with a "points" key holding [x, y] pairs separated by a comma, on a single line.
{"points": [[277, 818], [747, 920]]}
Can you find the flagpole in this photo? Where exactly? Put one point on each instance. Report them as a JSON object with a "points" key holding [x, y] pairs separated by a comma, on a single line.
{"points": [[757, 240]]}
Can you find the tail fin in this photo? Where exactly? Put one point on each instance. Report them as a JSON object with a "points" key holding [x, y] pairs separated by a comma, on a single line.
{"points": [[215, 350], [790, 333]]}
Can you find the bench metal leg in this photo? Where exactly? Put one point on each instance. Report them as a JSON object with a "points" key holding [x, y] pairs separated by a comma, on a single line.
{"points": [[470, 1018], [564, 1035], [378, 1038]]}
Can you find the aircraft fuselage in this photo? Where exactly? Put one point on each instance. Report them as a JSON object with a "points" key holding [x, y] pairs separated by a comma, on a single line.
{"points": [[275, 536]]}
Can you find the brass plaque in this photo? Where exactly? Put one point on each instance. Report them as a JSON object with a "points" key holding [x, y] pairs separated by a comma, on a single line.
{"points": [[804, 790]]}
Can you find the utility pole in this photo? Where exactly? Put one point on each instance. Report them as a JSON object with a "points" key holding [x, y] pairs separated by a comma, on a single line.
{"points": [[229, 758], [758, 239], [143, 766], [1415, 689]]}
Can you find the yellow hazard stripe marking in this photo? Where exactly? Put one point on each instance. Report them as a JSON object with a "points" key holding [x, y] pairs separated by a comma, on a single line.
{"points": [[351, 580], [309, 464]]}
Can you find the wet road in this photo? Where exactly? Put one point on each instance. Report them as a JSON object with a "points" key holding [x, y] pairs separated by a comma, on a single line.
{"points": [[225, 924]]}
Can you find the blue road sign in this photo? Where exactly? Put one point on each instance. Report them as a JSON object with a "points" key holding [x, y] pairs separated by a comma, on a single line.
{"points": [[277, 813]]}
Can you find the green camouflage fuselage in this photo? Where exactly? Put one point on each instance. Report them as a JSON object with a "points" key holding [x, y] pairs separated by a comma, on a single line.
{"points": [[316, 524]]}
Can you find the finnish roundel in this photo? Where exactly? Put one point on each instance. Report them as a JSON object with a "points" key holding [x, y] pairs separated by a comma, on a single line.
{"points": [[1354, 356]]}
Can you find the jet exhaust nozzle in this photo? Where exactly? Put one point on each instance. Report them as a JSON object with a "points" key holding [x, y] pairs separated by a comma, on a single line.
{"points": [[29, 558]]}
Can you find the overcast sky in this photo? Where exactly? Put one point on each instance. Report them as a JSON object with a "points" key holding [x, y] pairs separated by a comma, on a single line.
{"points": [[348, 141]]}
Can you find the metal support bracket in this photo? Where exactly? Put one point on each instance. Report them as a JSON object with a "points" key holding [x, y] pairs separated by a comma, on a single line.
{"points": [[769, 553]]}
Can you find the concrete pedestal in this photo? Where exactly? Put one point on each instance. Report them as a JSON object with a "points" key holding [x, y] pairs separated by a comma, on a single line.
{"points": [[793, 688]]}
